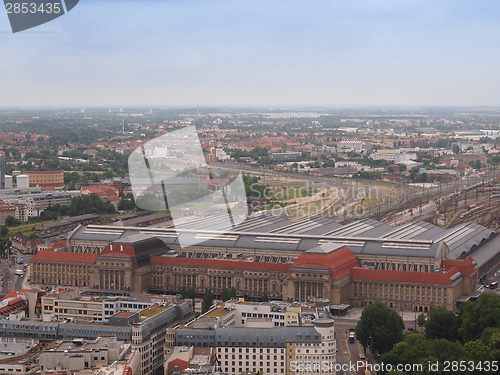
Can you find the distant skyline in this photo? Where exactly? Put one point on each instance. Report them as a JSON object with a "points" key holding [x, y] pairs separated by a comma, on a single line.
{"points": [[256, 53]]}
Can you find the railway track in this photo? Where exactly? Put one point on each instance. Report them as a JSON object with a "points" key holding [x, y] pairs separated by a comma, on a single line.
{"points": [[484, 217]]}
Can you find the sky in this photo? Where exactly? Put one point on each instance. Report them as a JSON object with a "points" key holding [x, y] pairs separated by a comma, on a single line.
{"points": [[272, 53]]}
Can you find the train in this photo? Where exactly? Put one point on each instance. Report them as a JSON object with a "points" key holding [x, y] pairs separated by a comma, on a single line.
{"points": [[489, 189], [472, 187], [471, 210]]}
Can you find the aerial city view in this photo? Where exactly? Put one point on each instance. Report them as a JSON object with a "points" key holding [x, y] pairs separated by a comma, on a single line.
{"points": [[230, 188]]}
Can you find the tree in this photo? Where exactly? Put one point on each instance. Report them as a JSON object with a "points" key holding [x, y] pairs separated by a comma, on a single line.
{"points": [[183, 291], [253, 188], [191, 293], [477, 316], [126, 204], [4, 231], [421, 320], [477, 351], [85, 204], [417, 349], [226, 294], [208, 300], [187, 293], [11, 221], [442, 324], [5, 244], [380, 327], [476, 164]]}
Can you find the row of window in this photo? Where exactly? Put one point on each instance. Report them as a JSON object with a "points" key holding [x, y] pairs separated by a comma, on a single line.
{"points": [[247, 350]]}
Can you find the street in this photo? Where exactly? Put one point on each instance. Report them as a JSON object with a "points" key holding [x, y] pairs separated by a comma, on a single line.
{"points": [[9, 280], [347, 353]]}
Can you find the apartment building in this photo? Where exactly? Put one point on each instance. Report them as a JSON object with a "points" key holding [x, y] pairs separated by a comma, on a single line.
{"points": [[6, 210], [258, 344], [29, 205], [351, 146], [395, 156], [75, 305], [80, 354], [44, 179], [146, 329]]}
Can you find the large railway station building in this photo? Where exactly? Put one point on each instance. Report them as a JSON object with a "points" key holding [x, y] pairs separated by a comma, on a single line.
{"points": [[412, 267]]}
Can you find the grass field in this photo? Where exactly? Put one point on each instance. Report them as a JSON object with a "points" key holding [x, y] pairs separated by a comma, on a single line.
{"points": [[370, 201]]}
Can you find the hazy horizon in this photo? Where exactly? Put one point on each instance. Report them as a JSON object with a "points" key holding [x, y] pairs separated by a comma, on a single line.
{"points": [[255, 54]]}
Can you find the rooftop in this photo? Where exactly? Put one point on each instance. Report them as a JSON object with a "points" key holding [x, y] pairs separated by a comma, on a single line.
{"points": [[63, 256], [417, 239], [218, 312], [152, 311]]}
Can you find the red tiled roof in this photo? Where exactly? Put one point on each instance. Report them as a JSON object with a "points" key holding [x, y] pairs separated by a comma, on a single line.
{"points": [[465, 266], [13, 306], [11, 294], [15, 293], [136, 251], [177, 362], [221, 264], [59, 244], [101, 190], [339, 262], [404, 276], [63, 256], [14, 301]]}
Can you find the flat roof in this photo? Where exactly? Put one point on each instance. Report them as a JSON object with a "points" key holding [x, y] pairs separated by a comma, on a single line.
{"points": [[219, 312]]}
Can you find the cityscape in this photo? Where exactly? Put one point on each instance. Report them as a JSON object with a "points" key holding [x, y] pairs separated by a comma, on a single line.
{"points": [[249, 187], [364, 235]]}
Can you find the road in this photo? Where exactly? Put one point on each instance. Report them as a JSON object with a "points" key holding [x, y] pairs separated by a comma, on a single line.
{"points": [[18, 279], [11, 281], [347, 353]]}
